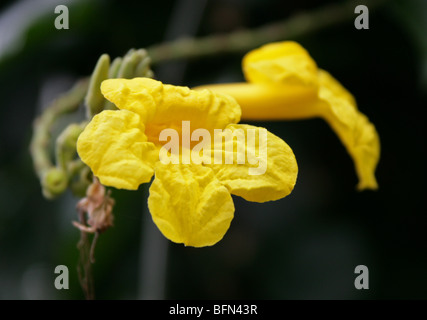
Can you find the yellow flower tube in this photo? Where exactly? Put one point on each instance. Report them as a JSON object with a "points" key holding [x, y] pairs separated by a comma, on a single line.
{"points": [[284, 83]]}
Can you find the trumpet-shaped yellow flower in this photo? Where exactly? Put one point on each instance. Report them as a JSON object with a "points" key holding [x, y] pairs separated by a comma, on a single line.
{"points": [[191, 202], [284, 83]]}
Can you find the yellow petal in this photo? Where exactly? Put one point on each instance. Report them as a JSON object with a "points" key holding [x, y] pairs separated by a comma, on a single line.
{"points": [[166, 106], [134, 95], [276, 63], [189, 205], [358, 135], [114, 146], [269, 171]]}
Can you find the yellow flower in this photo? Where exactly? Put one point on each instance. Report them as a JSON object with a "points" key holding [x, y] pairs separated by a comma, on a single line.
{"points": [[190, 202], [283, 83]]}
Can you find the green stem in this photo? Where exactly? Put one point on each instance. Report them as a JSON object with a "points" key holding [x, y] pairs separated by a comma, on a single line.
{"points": [[241, 41], [39, 146], [54, 179], [84, 266]]}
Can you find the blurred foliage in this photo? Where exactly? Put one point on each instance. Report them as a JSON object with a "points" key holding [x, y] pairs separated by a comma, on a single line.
{"points": [[305, 246]]}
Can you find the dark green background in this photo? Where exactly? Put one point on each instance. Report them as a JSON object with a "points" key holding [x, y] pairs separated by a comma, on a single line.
{"points": [[305, 246]]}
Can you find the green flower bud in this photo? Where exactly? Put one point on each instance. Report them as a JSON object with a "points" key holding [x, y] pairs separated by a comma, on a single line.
{"points": [[54, 182], [94, 99]]}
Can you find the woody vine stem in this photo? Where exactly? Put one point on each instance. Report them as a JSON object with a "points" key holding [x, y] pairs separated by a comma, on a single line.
{"points": [[70, 171]]}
